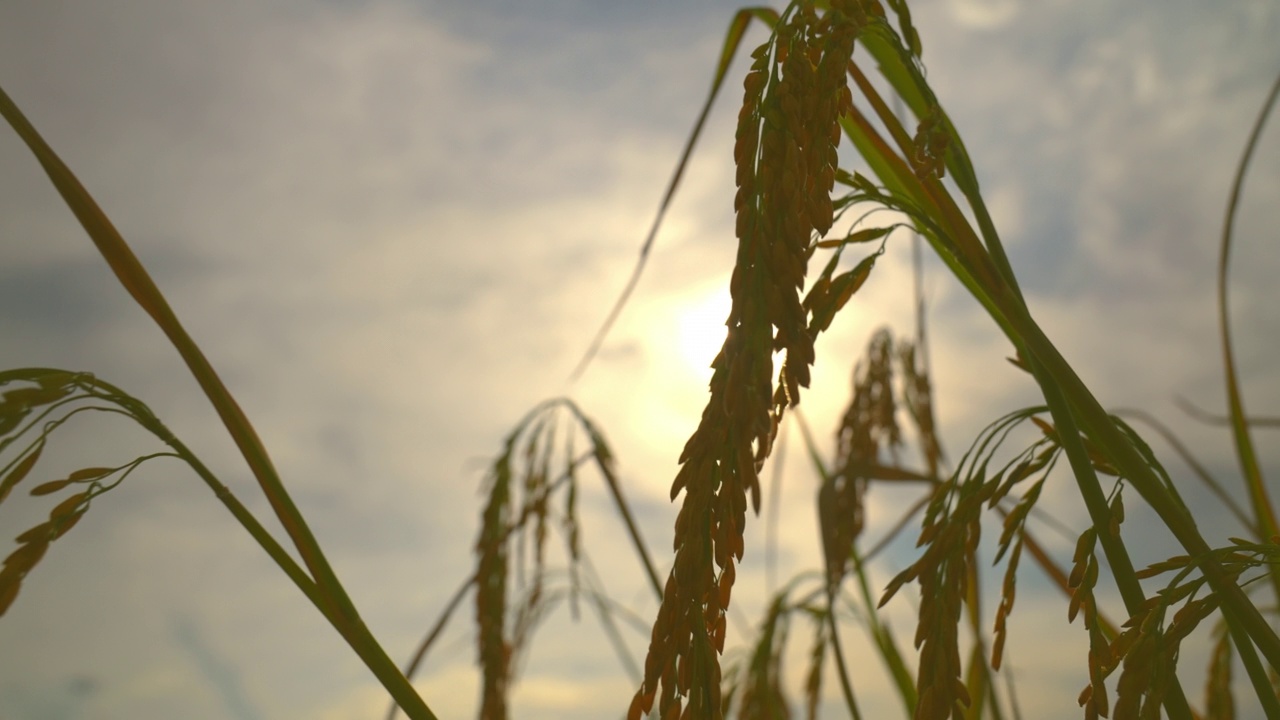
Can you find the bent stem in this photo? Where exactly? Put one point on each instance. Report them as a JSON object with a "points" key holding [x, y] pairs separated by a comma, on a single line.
{"points": [[356, 633], [985, 271], [1246, 624], [327, 593], [1264, 512]]}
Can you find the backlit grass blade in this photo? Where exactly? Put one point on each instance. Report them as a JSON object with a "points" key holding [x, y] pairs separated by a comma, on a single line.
{"points": [[732, 41], [886, 644], [1254, 484], [898, 67], [603, 457], [1003, 302], [337, 607], [135, 279], [1197, 468]]}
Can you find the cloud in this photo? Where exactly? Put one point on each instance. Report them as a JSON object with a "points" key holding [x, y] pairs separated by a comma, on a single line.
{"points": [[984, 14]]}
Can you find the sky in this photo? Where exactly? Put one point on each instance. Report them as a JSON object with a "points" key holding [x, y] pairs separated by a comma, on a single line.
{"points": [[393, 226]]}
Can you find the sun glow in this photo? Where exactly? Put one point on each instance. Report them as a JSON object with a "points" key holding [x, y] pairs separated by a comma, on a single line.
{"points": [[700, 329]]}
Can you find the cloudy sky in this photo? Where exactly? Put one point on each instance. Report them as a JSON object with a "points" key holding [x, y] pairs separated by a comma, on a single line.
{"points": [[394, 225]]}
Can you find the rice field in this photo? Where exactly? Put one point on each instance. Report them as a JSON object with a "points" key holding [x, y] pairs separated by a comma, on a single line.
{"points": [[833, 82]]}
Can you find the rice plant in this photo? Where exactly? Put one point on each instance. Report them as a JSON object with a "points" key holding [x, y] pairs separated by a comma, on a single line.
{"points": [[829, 75]]}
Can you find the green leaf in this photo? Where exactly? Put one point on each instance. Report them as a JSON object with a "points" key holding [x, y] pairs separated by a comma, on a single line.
{"points": [[732, 41]]}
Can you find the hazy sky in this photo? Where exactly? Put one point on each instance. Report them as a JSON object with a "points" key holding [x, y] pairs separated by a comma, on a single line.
{"points": [[393, 226]]}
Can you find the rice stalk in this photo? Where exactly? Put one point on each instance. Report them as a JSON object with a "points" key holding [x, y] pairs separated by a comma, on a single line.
{"points": [[1255, 486], [840, 521], [320, 584], [868, 422], [1198, 468], [785, 158], [927, 202]]}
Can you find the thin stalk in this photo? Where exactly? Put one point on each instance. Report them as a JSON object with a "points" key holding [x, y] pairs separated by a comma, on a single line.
{"points": [[842, 669], [421, 652], [1096, 503], [884, 641], [603, 458], [135, 279], [601, 602], [632, 529], [1243, 619], [733, 38], [1199, 470], [1209, 418], [1254, 484], [353, 630], [329, 596]]}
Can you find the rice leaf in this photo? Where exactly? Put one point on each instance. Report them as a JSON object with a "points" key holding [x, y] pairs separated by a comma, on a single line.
{"points": [[732, 41], [1256, 487]]}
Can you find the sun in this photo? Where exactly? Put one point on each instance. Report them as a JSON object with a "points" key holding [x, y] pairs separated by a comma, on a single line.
{"points": [[700, 329]]}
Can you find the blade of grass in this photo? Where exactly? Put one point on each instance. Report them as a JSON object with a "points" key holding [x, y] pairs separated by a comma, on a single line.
{"points": [[334, 602], [842, 667], [885, 643], [432, 635], [733, 39], [604, 458], [1005, 305], [1254, 484], [1209, 418], [1196, 467], [1243, 618]]}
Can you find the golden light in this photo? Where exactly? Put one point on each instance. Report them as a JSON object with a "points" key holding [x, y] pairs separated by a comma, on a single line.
{"points": [[700, 329]]}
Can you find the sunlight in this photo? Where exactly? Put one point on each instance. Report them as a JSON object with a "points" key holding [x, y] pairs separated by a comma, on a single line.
{"points": [[700, 327]]}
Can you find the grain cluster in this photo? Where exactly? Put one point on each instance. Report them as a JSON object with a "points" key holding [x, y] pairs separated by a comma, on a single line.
{"points": [[785, 155]]}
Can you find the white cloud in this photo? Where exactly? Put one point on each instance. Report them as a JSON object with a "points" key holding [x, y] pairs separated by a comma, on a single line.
{"points": [[984, 14]]}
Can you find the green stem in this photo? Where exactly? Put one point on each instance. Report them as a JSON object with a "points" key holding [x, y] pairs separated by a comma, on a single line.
{"points": [[1246, 624], [842, 669], [1254, 483], [328, 595], [352, 629], [138, 283], [1099, 512]]}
